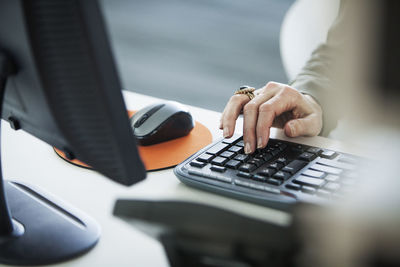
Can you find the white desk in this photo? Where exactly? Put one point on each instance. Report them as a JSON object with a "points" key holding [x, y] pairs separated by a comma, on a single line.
{"points": [[25, 158]]}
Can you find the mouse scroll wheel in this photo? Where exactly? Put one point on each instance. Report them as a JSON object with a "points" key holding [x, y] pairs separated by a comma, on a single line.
{"points": [[141, 120]]}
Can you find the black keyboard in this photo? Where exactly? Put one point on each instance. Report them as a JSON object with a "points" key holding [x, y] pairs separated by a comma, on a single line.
{"points": [[278, 176]]}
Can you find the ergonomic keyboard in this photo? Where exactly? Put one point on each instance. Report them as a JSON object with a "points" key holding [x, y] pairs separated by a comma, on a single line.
{"points": [[279, 175]]}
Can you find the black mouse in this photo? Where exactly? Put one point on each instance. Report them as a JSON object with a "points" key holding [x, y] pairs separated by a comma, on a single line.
{"points": [[161, 122]]}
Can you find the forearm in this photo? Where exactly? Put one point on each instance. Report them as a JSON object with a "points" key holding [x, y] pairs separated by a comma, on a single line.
{"points": [[317, 78]]}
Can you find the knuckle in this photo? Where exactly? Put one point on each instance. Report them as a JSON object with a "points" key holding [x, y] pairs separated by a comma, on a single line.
{"points": [[290, 93], [265, 107], [271, 84], [235, 99], [250, 107], [286, 91]]}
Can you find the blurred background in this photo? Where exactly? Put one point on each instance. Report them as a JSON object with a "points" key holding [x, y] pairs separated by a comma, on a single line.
{"points": [[196, 52]]}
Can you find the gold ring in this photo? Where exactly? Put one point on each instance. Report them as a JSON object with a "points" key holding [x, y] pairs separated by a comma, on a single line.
{"points": [[246, 90]]}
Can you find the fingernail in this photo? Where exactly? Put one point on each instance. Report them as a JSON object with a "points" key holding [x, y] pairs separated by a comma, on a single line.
{"points": [[292, 129], [247, 148], [226, 132], [259, 142]]}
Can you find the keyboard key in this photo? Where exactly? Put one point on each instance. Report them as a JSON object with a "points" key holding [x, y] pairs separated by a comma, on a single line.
{"points": [[309, 181], [274, 152], [246, 167], [233, 164], [274, 181], [327, 169], [331, 178], [257, 162], [293, 186], [336, 164], [267, 156], [282, 175], [205, 157], [244, 175], [231, 140], [280, 146], [266, 172], [308, 190], [236, 149], [260, 178], [242, 157], [217, 168], [197, 164], [294, 166], [219, 161], [307, 156], [282, 161], [315, 174], [227, 154], [219, 147], [331, 186], [297, 148], [275, 166], [328, 154], [314, 150], [240, 143]]}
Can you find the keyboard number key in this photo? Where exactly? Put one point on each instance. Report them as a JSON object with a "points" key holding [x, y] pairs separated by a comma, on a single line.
{"points": [[205, 157], [219, 161], [247, 167], [233, 164], [227, 154]]}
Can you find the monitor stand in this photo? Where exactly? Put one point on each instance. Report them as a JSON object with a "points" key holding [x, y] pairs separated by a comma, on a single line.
{"points": [[35, 228]]}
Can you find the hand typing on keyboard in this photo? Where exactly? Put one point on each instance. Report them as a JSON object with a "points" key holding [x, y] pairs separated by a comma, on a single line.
{"points": [[276, 105]]}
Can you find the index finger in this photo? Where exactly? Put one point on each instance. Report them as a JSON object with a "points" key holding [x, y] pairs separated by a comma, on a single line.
{"points": [[231, 113]]}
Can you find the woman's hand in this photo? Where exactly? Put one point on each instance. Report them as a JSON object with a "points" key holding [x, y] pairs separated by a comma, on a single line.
{"points": [[277, 105]]}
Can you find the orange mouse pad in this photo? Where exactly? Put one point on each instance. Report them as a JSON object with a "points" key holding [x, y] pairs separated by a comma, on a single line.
{"points": [[166, 154]]}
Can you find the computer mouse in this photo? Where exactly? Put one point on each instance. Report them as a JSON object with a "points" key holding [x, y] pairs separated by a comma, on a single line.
{"points": [[161, 122]]}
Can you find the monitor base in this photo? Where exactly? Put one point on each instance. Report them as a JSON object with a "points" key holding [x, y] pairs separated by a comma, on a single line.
{"points": [[45, 230]]}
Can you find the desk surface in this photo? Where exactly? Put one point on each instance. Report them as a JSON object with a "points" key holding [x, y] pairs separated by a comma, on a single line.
{"points": [[25, 158]]}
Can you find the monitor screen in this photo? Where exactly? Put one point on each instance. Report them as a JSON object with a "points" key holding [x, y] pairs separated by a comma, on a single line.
{"points": [[66, 90]]}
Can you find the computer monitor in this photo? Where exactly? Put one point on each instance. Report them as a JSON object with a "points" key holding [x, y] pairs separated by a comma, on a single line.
{"points": [[61, 85]]}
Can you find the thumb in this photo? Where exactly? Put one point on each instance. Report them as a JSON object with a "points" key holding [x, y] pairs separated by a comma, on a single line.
{"points": [[307, 126]]}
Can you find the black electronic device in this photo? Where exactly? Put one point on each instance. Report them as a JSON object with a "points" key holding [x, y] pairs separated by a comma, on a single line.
{"points": [[161, 122], [195, 234], [60, 84], [278, 176]]}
